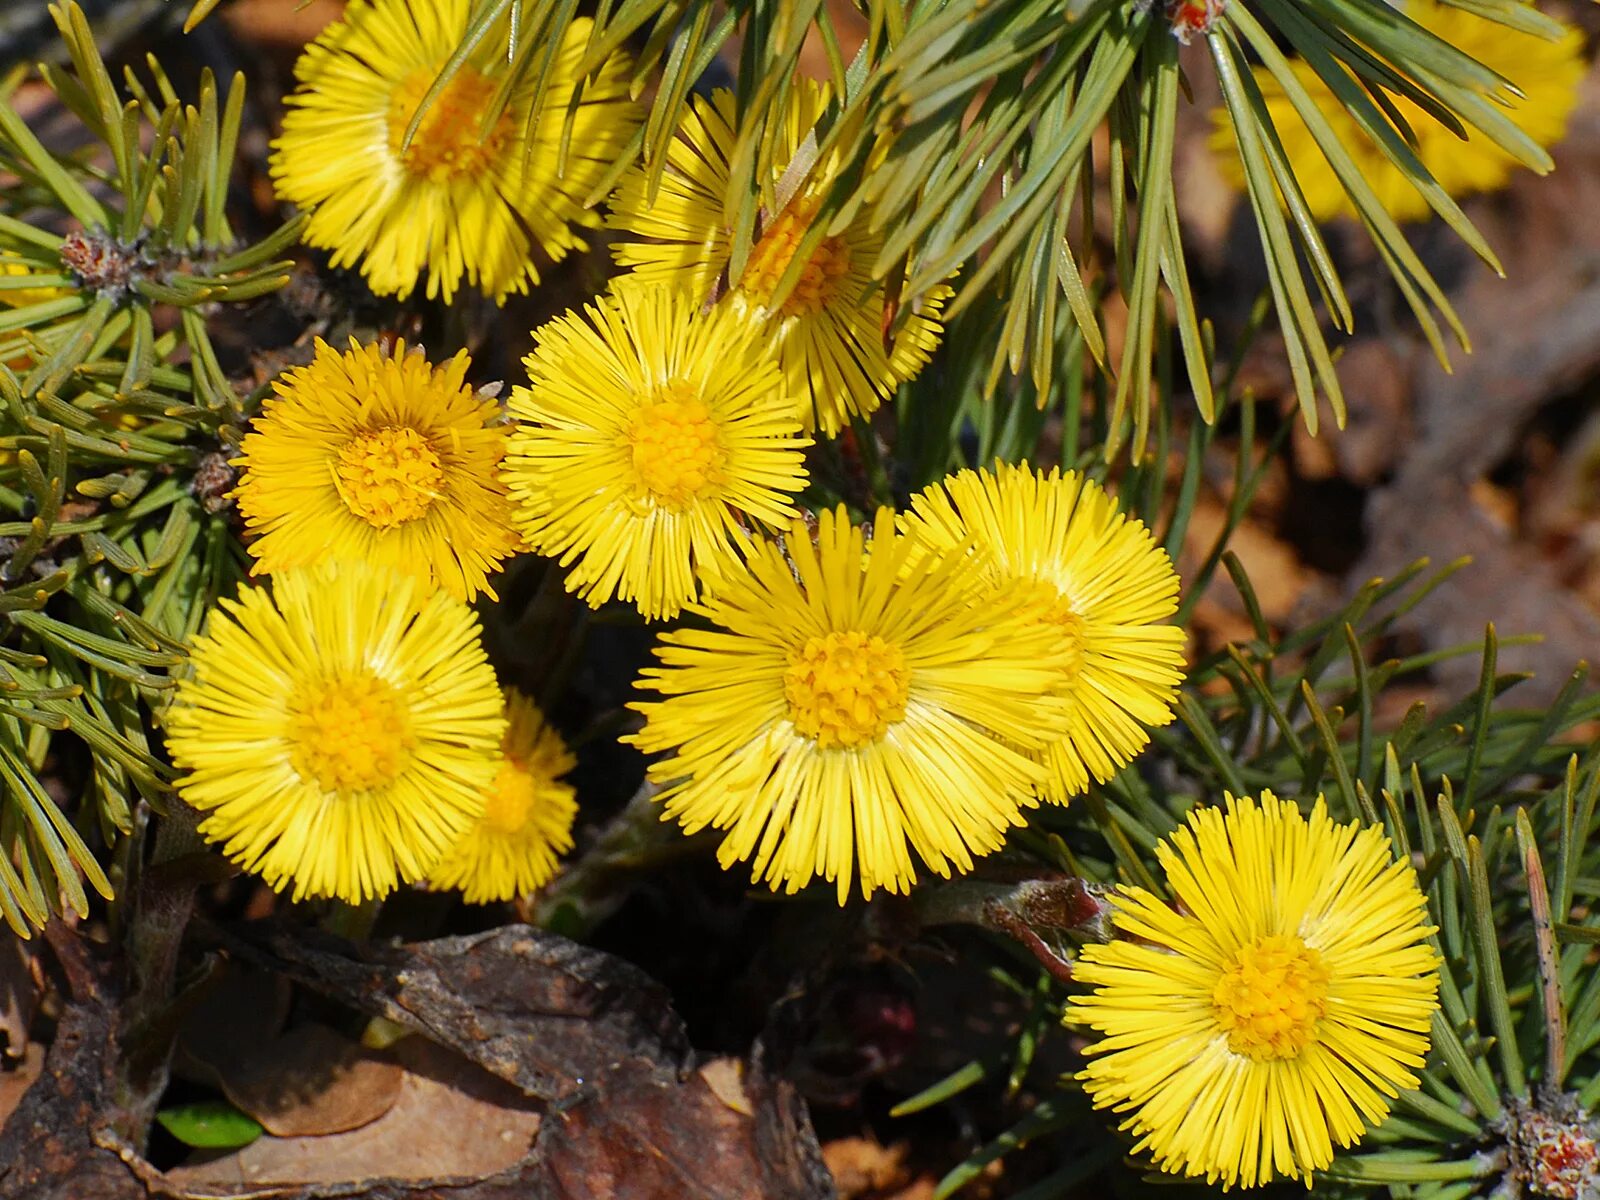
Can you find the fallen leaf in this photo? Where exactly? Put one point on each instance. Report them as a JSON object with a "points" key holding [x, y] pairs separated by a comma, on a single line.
{"points": [[1274, 571], [862, 1166], [631, 1119], [1536, 337], [551, 1019], [271, 23], [242, 1008], [450, 1120], [19, 995], [48, 1147], [313, 1081], [725, 1077], [17, 1078], [541, 1012]]}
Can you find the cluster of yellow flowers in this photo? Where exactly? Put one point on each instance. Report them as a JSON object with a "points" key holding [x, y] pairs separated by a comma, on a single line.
{"points": [[854, 702], [1546, 73], [867, 697]]}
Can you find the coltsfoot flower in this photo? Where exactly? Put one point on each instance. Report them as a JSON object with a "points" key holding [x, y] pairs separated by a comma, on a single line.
{"points": [[1548, 73], [830, 329], [852, 709], [527, 821], [381, 458], [648, 436], [1276, 1008], [1092, 574], [459, 202], [340, 732]]}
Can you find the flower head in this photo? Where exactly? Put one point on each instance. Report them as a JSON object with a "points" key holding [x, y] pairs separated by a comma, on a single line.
{"points": [[1548, 73], [339, 733], [648, 434], [458, 201], [853, 707], [527, 821], [1276, 1008], [830, 328], [1090, 573], [379, 458]]}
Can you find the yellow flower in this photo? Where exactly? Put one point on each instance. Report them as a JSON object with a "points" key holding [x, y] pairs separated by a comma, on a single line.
{"points": [[22, 297], [528, 819], [458, 201], [649, 435], [382, 459], [853, 707], [1276, 1008], [340, 733], [1547, 72], [830, 329], [22, 360], [1089, 572]]}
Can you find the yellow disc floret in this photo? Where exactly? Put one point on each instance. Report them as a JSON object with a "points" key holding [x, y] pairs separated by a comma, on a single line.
{"points": [[676, 449], [770, 258], [512, 798], [388, 477], [350, 734], [846, 689], [448, 141], [1047, 603], [1270, 996]]}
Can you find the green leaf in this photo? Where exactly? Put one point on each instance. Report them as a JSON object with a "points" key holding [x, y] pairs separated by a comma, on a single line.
{"points": [[210, 1125]]}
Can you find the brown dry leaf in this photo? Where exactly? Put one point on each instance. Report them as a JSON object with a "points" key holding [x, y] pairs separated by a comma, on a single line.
{"points": [[314, 1081], [725, 1077], [276, 24], [19, 995], [17, 1078], [633, 1119], [243, 1007], [860, 1166], [551, 1019], [1275, 573], [451, 1120], [1379, 374], [646, 1137]]}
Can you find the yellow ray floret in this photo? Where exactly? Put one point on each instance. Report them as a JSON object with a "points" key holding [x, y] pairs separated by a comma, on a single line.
{"points": [[852, 709], [1276, 1009], [339, 733], [527, 821], [648, 437], [1092, 574], [830, 329], [379, 458], [1548, 73], [459, 201]]}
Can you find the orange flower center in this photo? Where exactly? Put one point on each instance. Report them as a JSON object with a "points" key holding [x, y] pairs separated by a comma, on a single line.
{"points": [[675, 444], [511, 799], [1045, 602], [350, 733], [1270, 997], [770, 258], [846, 689], [388, 477], [446, 145]]}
